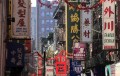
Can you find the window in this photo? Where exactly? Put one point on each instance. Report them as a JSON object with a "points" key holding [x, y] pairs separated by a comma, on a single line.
{"points": [[47, 29], [42, 14], [51, 29], [47, 21], [51, 21], [47, 14], [43, 29], [43, 21], [51, 13]]}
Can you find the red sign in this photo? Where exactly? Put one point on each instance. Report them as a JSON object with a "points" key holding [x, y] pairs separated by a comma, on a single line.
{"points": [[28, 46], [39, 72], [61, 68]]}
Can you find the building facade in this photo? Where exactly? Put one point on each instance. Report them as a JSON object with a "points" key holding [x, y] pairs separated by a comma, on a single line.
{"points": [[33, 27], [60, 28], [45, 21]]}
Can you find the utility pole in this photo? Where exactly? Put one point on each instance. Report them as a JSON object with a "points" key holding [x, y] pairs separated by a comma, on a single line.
{"points": [[44, 61]]}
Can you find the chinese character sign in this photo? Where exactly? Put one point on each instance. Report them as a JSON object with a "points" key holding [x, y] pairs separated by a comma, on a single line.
{"points": [[60, 64], [108, 15], [15, 55], [61, 68], [21, 12], [86, 25], [73, 26]]}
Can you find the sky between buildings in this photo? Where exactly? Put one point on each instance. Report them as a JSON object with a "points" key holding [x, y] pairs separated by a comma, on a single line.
{"points": [[33, 3]]}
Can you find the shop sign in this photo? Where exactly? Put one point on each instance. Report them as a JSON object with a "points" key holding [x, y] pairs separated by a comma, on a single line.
{"points": [[61, 66], [86, 25], [73, 26], [21, 12], [79, 51], [49, 71], [75, 68], [15, 55], [108, 21]]}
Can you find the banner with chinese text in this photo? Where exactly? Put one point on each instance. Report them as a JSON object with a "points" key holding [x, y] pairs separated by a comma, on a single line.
{"points": [[60, 64], [108, 22], [21, 12], [72, 26], [61, 68], [15, 55], [86, 24]]}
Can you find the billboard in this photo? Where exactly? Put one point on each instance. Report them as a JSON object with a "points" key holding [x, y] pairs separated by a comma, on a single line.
{"points": [[108, 24], [79, 51], [15, 55], [72, 26], [21, 12]]}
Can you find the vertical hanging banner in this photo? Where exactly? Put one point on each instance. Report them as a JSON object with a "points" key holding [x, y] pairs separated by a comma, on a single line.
{"points": [[86, 24], [21, 12], [108, 21], [16, 53], [72, 25]]}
